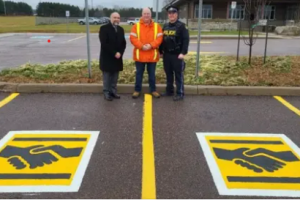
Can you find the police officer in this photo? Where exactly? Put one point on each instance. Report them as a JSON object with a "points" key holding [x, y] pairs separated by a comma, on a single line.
{"points": [[174, 47]]}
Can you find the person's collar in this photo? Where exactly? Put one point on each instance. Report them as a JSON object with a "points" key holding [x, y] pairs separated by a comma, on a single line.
{"points": [[142, 21], [112, 24], [173, 22]]}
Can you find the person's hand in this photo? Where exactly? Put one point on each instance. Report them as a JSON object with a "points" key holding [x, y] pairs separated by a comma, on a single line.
{"points": [[181, 56], [118, 55], [146, 47]]}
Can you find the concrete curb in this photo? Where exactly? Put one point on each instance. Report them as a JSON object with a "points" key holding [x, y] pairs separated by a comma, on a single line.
{"points": [[128, 89], [231, 37], [6, 35]]}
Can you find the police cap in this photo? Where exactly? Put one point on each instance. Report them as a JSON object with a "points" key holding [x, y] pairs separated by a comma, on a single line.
{"points": [[172, 9]]}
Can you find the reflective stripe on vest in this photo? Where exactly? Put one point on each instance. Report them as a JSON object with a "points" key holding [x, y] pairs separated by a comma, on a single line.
{"points": [[155, 36], [138, 35]]}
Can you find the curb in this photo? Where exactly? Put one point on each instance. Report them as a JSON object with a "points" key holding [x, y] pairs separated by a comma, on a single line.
{"points": [[222, 37], [128, 89], [6, 35]]}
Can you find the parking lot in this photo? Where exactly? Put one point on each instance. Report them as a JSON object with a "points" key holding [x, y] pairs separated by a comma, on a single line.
{"points": [[18, 49], [181, 137]]}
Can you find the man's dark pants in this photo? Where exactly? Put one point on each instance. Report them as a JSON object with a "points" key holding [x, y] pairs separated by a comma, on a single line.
{"points": [[110, 80], [140, 68], [173, 65]]}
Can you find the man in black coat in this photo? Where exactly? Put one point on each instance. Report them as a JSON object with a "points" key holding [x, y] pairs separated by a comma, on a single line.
{"points": [[113, 45]]}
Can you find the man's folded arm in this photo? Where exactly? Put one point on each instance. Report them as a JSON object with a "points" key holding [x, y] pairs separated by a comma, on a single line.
{"points": [[103, 41]]}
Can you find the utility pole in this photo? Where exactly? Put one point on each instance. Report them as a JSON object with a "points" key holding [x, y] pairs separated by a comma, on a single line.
{"points": [[199, 35], [88, 36], [156, 16], [4, 8]]}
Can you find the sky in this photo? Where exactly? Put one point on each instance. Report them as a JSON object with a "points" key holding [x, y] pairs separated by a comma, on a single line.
{"points": [[104, 3]]}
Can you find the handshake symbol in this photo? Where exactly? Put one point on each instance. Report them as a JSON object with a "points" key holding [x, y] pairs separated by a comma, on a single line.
{"points": [[257, 160], [37, 156]]}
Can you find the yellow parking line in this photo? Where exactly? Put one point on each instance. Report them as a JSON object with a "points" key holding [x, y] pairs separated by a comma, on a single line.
{"points": [[148, 173], [288, 105], [76, 38], [8, 99]]}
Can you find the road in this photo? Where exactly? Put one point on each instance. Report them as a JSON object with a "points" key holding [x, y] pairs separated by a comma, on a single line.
{"points": [[121, 164], [16, 50]]}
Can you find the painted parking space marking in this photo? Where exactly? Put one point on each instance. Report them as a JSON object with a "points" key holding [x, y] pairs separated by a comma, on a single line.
{"points": [[148, 172], [8, 99], [76, 38], [45, 161], [41, 37], [252, 164], [288, 105]]}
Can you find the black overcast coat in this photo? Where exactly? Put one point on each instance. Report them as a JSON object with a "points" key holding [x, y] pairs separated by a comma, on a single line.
{"points": [[111, 43]]}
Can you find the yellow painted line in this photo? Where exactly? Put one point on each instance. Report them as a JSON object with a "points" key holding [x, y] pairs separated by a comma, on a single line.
{"points": [[288, 105], [8, 99], [148, 176], [76, 38], [204, 42]]}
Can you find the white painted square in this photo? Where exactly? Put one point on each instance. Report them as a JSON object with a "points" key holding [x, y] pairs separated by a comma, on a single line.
{"points": [[217, 175], [80, 170]]}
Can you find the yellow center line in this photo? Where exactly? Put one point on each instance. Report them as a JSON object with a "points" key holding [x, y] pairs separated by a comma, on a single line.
{"points": [[288, 105], [8, 99], [76, 38], [148, 173]]}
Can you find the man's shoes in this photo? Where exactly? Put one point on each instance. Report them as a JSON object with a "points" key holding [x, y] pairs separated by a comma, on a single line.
{"points": [[108, 97], [115, 96], [156, 94], [177, 98], [135, 95]]}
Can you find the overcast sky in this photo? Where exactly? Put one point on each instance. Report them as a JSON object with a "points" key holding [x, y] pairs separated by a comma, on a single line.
{"points": [[104, 3]]}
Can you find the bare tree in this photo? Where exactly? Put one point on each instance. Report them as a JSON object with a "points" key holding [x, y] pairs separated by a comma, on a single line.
{"points": [[253, 12]]}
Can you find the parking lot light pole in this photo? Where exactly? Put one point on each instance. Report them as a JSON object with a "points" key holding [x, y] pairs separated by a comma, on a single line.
{"points": [[199, 36], [156, 16], [88, 36], [4, 8]]}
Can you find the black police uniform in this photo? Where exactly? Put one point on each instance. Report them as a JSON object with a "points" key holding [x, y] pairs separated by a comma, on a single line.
{"points": [[175, 42]]}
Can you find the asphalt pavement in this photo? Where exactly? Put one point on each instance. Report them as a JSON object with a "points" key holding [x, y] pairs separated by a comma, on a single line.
{"points": [[181, 165], [19, 49]]}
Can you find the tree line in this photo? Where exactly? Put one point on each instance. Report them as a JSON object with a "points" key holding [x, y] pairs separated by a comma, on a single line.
{"points": [[15, 8], [124, 12], [49, 9]]}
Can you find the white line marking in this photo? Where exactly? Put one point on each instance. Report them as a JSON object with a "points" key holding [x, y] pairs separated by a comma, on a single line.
{"points": [[216, 173], [76, 183], [76, 38]]}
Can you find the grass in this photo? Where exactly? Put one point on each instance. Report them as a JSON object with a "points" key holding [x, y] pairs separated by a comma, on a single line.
{"points": [[215, 70], [27, 24]]}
